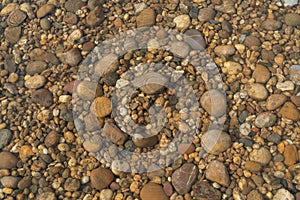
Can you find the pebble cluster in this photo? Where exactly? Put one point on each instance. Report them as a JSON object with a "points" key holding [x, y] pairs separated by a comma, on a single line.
{"points": [[247, 143]]}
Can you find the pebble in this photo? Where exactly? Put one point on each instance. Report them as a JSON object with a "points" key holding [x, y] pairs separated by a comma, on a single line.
{"points": [[224, 50], [261, 155], [245, 129], [271, 25], [292, 19], [252, 41], [86, 90], [232, 68], [261, 74], [217, 172], [9, 181], [294, 72], [40, 55], [180, 49], [283, 194], [217, 107], [45, 10], [290, 2], [35, 82], [72, 57], [70, 18], [146, 18], [290, 155], [106, 194], [8, 160], [289, 111], [257, 91], [226, 7], [24, 183], [101, 178], [101, 106], [25, 152], [264, 120], [16, 18], [114, 134], [253, 166], [45, 24], [153, 191], [254, 195], [168, 189], [182, 22], [46, 196], [285, 86], [296, 100], [9, 8], [143, 142], [43, 97], [119, 166], [5, 137], [96, 17], [12, 34], [194, 39], [215, 141], [274, 101], [72, 184], [274, 137], [184, 177], [74, 5], [206, 14], [205, 191], [52, 139], [35, 67], [90, 146]]}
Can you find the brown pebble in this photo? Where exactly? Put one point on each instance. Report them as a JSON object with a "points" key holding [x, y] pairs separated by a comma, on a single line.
{"points": [[45, 10], [289, 111], [101, 178], [101, 106], [8, 160], [253, 166], [261, 74], [153, 191], [146, 18], [290, 155], [217, 172], [52, 139], [43, 97], [274, 101]]}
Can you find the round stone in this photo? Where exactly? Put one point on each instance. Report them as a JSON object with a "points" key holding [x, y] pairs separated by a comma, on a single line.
{"points": [[257, 91], [215, 141], [101, 106]]}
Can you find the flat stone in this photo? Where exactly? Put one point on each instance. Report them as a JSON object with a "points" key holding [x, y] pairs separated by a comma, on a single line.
{"points": [[41, 55], [296, 100], [10, 181], [52, 139], [45, 10], [86, 90], [182, 22], [180, 49], [205, 191], [43, 97], [292, 19], [261, 74], [16, 18], [146, 18], [96, 17], [262, 156], [10, 65], [144, 141], [194, 39], [24, 183], [46, 196], [168, 189], [215, 141], [217, 172], [101, 106], [5, 137], [253, 166], [35, 82], [214, 102], [153, 191], [101, 178], [232, 68], [72, 57], [274, 137], [274, 101], [224, 50], [35, 67], [72, 184], [114, 134], [107, 64], [290, 155], [8, 160], [252, 41], [264, 120], [206, 14], [271, 25], [289, 111], [74, 5], [283, 194], [257, 91], [184, 177], [13, 34]]}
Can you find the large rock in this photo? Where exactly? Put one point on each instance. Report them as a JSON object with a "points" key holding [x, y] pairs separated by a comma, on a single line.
{"points": [[101, 178], [8, 160], [217, 172], [184, 177], [215, 141], [214, 102], [153, 191]]}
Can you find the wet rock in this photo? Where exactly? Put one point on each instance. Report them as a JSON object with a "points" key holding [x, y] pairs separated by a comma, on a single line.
{"points": [[274, 101], [215, 141], [52, 139], [184, 177], [265, 119], [206, 14], [12, 34], [16, 18], [182, 22], [101, 178], [224, 50], [43, 97], [290, 155], [146, 18], [253, 166], [257, 91], [252, 41], [217, 172], [168, 189], [35, 82], [9, 181], [119, 166], [74, 5], [101, 106], [114, 134], [153, 191], [180, 49], [45, 10], [5, 137], [205, 191], [35, 67], [262, 156], [194, 39], [96, 17], [214, 102], [292, 19], [8, 160], [283, 194], [72, 184], [271, 25], [289, 111]]}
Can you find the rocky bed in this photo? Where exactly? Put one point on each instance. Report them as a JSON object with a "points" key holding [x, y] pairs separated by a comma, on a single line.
{"points": [[246, 109]]}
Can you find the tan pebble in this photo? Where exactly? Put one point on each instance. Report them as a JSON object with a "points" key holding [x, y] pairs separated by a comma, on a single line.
{"points": [[280, 147], [101, 106]]}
